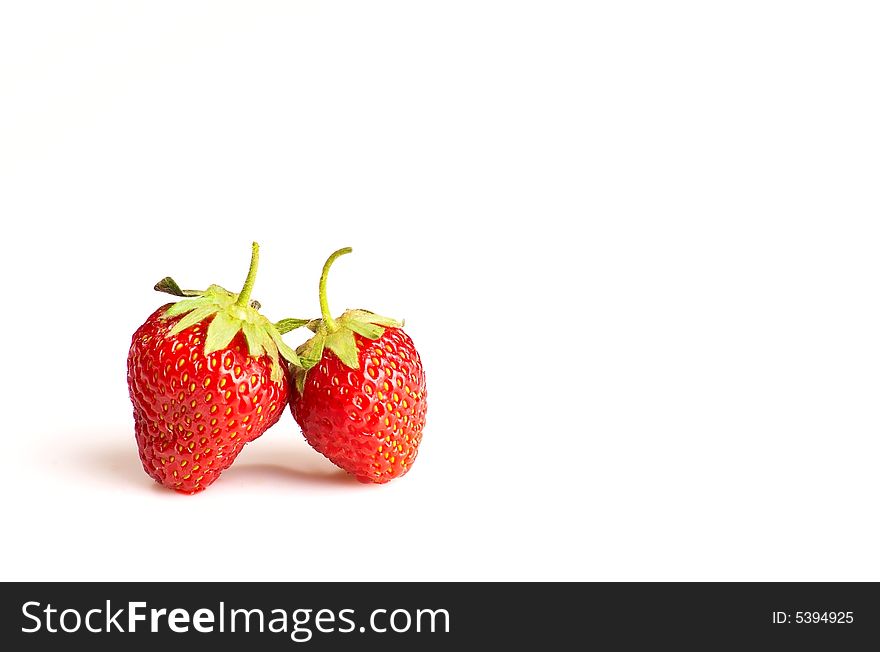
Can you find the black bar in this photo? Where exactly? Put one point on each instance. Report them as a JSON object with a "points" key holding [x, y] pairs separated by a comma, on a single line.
{"points": [[543, 615]]}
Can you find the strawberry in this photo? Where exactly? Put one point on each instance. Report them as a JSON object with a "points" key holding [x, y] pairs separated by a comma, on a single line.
{"points": [[360, 394], [204, 378]]}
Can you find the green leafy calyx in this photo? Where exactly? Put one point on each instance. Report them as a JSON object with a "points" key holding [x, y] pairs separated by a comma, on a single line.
{"points": [[232, 313]]}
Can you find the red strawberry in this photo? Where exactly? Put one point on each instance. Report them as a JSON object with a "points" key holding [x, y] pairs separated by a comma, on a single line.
{"points": [[360, 397], [204, 378]]}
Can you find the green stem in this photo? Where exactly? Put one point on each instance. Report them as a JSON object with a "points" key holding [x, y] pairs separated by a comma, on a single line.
{"points": [[329, 322], [244, 296]]}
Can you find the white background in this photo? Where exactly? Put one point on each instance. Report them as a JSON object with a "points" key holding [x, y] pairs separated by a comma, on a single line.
{"points": [[635, 242]]}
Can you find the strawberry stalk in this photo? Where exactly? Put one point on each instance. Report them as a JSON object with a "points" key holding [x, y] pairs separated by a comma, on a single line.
{"points": [[231, 314], [338, 334], [244, 296], [329, 322]]}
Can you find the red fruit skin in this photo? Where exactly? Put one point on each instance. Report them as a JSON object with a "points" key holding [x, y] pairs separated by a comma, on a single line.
{"points": [[194, 413], [367, 421]]}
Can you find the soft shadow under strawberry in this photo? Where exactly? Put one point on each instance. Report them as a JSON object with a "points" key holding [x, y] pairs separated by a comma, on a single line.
{"points": [[112, 461]]}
